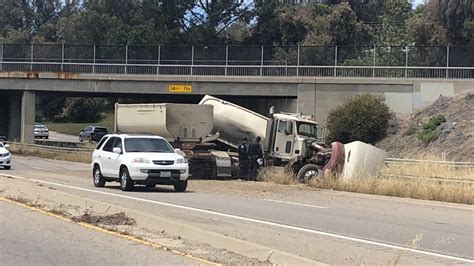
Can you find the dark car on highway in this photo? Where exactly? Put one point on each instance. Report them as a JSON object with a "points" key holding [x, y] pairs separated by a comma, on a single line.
{"points": [[92, 133]]}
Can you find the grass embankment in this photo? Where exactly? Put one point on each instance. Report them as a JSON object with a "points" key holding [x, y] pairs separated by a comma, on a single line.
{"points": [[75, 128], [447, 185], [65, 155]]}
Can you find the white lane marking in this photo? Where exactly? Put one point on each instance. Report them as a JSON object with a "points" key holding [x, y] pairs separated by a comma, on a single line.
{"points": [[291, 227], [40, 168], [298, 204]]}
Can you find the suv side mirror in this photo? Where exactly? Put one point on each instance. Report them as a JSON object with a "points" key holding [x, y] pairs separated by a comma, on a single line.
{"points": [[7, 145], [177, 150], [289, 128], [117, 150]]}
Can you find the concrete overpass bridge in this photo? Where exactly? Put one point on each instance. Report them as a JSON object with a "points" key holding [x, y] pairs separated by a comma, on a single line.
{"points": [[293, 86]]}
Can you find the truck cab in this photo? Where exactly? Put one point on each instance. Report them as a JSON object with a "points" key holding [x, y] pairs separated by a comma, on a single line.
{"points": [[290, 134]]}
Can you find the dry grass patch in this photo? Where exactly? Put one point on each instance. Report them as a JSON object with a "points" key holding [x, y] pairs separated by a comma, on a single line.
{"points": [[442, 171], [276, 175], [397, 187], [440, 183], [65, 155]]}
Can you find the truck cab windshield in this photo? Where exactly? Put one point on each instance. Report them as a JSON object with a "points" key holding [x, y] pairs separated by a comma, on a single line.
{"points": [[307, 130]]}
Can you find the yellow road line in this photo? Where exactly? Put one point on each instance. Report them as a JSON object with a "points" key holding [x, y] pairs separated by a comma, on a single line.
{"points": [[113, 233]]}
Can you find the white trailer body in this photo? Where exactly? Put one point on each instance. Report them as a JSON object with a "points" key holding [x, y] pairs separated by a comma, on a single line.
{"points": [[175, 122], [185, 126]]}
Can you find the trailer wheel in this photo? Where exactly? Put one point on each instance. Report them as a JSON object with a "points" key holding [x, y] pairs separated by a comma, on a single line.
{"points": [[308, 172]]}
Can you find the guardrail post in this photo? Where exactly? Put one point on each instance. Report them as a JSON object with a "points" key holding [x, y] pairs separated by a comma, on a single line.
{"points": [[159, 59], [261, 62], [192, 59], [373, 63], [298, 63], [406, 61], [31, 56], [447, 61], [126, 58], [1, 57], [93, 64], [62, 57], [335, 61], [226, 58]]}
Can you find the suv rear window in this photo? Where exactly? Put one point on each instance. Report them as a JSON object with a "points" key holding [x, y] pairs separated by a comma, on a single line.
{"points": [[100, 129]]}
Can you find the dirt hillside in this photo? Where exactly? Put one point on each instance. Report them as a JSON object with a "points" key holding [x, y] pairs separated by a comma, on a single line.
{"points": [[455, 136]]}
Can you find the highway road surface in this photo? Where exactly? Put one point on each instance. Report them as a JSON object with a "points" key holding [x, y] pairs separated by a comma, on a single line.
{"points": [[297, 224], [31, 238]]}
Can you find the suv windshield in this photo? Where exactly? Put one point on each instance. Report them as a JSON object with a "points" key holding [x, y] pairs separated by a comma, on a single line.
{"points": [[147, 145], [307, 129]]}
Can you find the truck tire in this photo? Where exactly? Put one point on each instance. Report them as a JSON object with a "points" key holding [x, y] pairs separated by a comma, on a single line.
{"points": [[181, 186], [308, 172], [126, 183], [97, 177]]}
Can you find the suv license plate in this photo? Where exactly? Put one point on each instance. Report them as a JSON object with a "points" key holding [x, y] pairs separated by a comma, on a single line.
{"points": [[165, 174]]}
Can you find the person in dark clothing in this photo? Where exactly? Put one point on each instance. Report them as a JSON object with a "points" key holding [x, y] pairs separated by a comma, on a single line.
{"points": [[255, 153], [243, 159]]}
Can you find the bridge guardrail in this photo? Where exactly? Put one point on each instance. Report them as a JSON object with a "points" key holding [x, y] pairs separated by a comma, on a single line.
{"points": [[455, 62], [429, 162], [52, 148]]}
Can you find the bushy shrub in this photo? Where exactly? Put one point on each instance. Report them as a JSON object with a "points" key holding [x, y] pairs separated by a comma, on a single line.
{"points": [[430, 132], [363, 118]]}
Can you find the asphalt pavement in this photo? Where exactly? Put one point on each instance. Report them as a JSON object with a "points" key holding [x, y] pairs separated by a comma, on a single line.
{"points": [[31, 238], [330, 227]]}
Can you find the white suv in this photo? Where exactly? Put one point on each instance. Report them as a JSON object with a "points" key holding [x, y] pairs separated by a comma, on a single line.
{"points": [[5, 156], [138, 159]]}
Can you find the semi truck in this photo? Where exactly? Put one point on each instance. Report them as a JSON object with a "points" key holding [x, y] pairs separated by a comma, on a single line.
{"points": [[290, 140]]}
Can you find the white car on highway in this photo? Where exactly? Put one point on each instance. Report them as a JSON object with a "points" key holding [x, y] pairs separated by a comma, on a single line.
{"points": [[5, 156], [138, 159]]}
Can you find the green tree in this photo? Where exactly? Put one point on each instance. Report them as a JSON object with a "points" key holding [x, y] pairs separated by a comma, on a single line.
{"points": [[205, 21], [364, 118], [81, 110], [51, 106]]}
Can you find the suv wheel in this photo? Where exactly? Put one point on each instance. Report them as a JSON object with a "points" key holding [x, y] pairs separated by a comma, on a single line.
{"points": [[181, 186], [126, 183], [99, 180]]}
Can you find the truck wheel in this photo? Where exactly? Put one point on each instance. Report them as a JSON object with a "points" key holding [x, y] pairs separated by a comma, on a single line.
{"points": [[99, 180], [126, 183], [308, 172], [181, 186]]}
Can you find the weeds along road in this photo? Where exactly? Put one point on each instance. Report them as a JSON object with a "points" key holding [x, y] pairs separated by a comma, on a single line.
{"points": [[284, 224]]}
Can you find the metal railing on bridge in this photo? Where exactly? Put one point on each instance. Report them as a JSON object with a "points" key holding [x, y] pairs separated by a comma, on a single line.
{"points": [[455, 62]]}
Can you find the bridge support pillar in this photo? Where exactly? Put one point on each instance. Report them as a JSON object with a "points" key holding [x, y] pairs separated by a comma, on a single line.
{"points": [[22, 111]]}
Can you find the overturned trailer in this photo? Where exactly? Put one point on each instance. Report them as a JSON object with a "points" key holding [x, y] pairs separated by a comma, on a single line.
{"points": [[187, 127]]}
